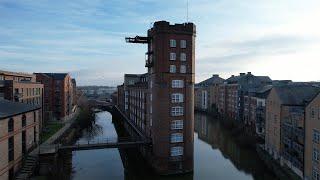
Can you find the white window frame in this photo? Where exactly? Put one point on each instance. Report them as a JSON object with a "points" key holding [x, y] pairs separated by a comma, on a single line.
{"points": [[176, 124], [176, 151], [183, 57], [177, 98], [183, 69], [176, 138], [173, 43], [173, 68], [177, 111], [183, 43], [177, 84], [173, 56]]}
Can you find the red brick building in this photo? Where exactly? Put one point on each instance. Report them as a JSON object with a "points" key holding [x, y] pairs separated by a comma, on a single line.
{"points": [[163, 103], [58, 95]]}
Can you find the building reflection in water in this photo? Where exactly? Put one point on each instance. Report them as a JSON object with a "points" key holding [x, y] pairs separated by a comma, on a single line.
{"points": [[212, 132]]}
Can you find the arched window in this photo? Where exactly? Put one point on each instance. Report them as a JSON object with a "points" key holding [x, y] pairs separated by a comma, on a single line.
{"points": [[24, 120], [10, 125]]}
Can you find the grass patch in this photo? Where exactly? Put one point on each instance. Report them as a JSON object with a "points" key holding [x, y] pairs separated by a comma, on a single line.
{"points": [[50, 130]]}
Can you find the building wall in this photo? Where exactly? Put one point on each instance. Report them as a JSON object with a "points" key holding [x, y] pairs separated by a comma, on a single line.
{"points": [[312, 125], [273, 116], [58, 95], [33, 119], [292, 138], [161, 90]]}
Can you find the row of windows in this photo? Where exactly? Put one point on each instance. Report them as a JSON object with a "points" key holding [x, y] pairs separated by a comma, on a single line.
{"points": [[29, 91], [173, 69], [173, 56], [23, 122], [173, 43]]}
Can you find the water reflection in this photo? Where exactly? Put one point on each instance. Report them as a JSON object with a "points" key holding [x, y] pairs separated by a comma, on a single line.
{"points": [[217, 156], [225, 159]]}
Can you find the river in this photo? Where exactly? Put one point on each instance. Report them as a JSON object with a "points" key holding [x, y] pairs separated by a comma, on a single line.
{"points": [[216, 156]]}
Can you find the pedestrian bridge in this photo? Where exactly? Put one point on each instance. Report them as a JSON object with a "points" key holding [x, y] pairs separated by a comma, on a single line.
{"points": [[100, 143]]}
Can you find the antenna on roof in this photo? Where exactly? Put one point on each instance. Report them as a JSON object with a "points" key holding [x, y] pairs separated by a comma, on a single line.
{"points": [[187, 11]]}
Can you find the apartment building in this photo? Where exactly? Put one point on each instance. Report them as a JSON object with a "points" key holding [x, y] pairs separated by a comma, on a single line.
{"points": [[312, 139], [58, 95], [20, 87], [136, 90], [207, 94], [19, 133], [232, 92], [254, 110], [166, 95], [286, 109]]}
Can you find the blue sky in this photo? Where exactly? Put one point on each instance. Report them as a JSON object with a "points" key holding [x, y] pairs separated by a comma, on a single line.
{"points": [[86, 37]]}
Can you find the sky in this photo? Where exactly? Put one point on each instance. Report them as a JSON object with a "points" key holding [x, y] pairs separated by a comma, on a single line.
{"points": [[86, 38]]}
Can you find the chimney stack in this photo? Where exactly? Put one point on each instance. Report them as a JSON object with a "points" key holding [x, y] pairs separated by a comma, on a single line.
{"points": [[249, 73], [215, 75], [242, 74]]}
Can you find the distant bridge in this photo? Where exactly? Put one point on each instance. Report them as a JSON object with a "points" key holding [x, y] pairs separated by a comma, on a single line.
{"points": [[101, 143]]}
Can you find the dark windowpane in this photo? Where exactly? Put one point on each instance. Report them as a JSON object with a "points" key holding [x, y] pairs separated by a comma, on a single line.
{"points": [[24, 121], [10, 149], [10, 125]]}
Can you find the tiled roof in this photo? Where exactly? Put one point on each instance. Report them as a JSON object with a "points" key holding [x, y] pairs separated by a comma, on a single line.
{"points": [[215, 79], [9, 108], [296, 94]]}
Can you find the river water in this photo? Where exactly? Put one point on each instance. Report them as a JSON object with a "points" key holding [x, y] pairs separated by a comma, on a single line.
{"points": [[216, 156]]}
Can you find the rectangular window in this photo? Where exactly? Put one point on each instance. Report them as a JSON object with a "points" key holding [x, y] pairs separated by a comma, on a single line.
{"points": [[183, 44], [10, 149], [176, 151], [316, 136], [177, 98], [173, 56], [177, 83], [183, 69], [315, 155], [177, 124], [183, 57], [177, 111], [172, 68], [173, 43], [312, 113], [176, 138]]}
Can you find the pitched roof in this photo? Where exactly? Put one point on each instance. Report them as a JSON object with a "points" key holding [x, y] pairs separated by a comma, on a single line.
{"points": [[297, 94], [215, 79], [57, 76], [9, 108], [235, 79]]}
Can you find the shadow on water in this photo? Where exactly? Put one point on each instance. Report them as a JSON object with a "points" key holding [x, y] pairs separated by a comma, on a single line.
{"points": [[217, 156]]}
